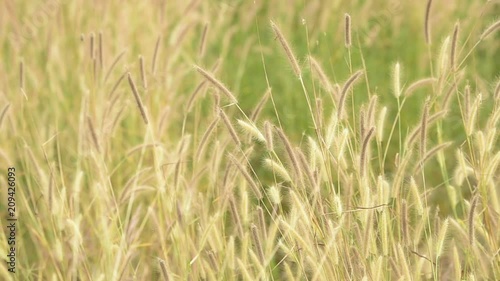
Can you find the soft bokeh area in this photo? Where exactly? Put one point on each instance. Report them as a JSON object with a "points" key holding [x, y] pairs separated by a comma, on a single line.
{"points": [[249, 140]]}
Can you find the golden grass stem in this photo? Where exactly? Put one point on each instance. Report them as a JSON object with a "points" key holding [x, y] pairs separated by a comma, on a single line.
{"points": [[257, 242], [362, 122], [203, 40], [423, 130], [268, 133], [454, 42], [164, 270], [205, 137], [93, 134], [217, 84], [236, 217], [155, 56], [229, 127], [404, 221], [288, 51], [21, 74], [371, 111], [92, 52], [441, 239], [253, 185], [345, 90], [322, 77], [471, 220], [100, 50], [262, 222], [418, 84], [289, 150], [256, 112], [415, 133], [347, 31], [397, 80], [427, 28], [364, 151], [138, 99], [115, 61], [4, 113], [490, 29]]}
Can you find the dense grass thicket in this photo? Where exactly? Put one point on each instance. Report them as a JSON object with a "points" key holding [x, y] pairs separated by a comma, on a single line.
{"points": [[251, 140]]}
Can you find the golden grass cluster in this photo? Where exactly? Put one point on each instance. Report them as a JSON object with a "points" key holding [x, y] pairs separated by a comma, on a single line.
{"points": [[176, 176]]}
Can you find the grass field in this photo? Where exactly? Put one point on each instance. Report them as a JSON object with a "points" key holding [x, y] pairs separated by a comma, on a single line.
{"points": [[249, 140]]}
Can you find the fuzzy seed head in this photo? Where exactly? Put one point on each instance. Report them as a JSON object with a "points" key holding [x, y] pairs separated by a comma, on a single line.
{"points": [[277, 168], [380, 124], [348, 41], [274, 195], [286, 48], [443, 232], [397, 80], [252, 130]]}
